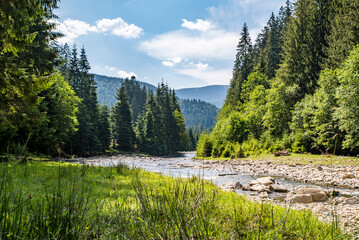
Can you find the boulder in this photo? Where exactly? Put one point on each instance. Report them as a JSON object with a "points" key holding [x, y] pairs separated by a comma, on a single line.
{"points": [[231, 186], [245, 187], [299, 194], [351, 201], [265, 181], [278, 188], [238, 185], [262, 195], [259, 188], [299, 198]]}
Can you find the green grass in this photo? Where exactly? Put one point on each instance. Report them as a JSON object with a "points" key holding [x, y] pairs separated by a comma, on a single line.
{"points": [[45, 200], [296, 158]]}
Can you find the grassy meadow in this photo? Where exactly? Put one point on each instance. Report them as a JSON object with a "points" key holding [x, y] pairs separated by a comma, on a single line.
{"points": [[48, 200]]}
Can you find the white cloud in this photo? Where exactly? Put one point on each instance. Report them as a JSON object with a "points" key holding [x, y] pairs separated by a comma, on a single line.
{"points": [[199, 65], [209, 76], [72, 29], [119, 27], [210, 45], [171, 62], [168, 63], [201, 25], [123, 74]]}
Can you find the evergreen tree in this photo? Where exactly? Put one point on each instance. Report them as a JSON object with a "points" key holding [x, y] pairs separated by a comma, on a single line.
{"points": [[136, 96], [104, 127], [242, 67], [123, 131], [344, 31]]}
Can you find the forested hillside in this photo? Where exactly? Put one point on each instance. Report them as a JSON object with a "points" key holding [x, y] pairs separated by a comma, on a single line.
{"points": [[107, 87], [295, 87], [198, 114], [214, 94]]}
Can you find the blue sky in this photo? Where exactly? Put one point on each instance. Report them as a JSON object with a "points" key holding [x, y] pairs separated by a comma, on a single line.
{"points": [[187, 43]]}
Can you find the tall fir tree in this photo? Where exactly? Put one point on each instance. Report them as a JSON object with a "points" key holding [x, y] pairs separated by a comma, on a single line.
{"points": [[344, 31], [242, 68], [104, 127], [123, 130]]}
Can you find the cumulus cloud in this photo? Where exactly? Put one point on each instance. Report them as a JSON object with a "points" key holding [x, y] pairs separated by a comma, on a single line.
{"points": [[208, 75], [119, 27], [72, 29], [201, 25], [210, 45], [171, 62], [123, 74]]}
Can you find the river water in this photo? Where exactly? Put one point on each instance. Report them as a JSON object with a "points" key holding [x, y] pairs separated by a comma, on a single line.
{"points": [[185, 166]]}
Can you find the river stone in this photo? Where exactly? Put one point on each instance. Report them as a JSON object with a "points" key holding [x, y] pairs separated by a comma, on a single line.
{"points": [[245, 187], [263, 195], [351, 201], [231, 186], [299, 198], [265, 181], [278, 188], [349, 175], [259, 188], [238, 185], [318, 194]]}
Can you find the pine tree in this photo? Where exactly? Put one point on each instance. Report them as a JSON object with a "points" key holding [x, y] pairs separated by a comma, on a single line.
{"points": [[123, 131], [104, 128], [242, 67], [344, 31]]}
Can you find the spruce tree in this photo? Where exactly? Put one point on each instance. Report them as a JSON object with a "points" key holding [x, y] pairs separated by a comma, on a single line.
{"points": [[104, 128], [242, 67], [123, 131]]}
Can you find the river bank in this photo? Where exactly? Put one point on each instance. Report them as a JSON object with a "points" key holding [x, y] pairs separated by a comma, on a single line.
{"points": [[331, 177]]}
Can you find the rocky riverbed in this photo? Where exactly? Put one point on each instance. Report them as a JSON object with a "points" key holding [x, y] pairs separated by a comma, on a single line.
{"points": [[336, 208], [334, 176]]}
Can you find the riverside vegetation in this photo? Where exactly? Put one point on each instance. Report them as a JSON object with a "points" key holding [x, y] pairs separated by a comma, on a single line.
{"points": [[296, 88], [42, 200]]}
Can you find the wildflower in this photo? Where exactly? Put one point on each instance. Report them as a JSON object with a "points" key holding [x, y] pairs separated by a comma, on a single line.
{"points": [[36, 228], [8, 235], [87, 227]]}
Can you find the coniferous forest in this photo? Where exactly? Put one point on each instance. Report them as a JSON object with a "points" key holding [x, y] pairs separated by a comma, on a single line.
{"points": [[295, 87], [48, 98]]}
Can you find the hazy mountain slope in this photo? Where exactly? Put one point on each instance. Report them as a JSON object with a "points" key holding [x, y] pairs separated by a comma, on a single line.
{"points": [[198, 114], [214, 94], [107, 87]]}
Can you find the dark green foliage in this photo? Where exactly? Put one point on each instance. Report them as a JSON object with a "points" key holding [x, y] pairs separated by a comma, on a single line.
{"points": [[107, 87], [161, 128], [198, 114], [32, 95], [242, 68], [122, 117], [288, 100], [86, 140], [136, 96], [344, 35], [104, 127]]}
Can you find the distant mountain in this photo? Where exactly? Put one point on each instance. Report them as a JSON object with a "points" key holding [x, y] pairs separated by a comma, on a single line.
{"points": [[215, 94], [107, 87]]}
